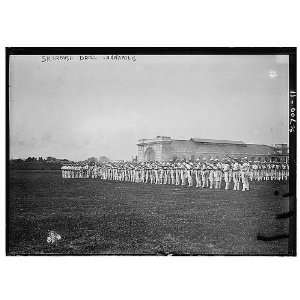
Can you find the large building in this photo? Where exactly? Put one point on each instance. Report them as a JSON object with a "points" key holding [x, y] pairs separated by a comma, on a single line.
{"points": [[164, 148]]}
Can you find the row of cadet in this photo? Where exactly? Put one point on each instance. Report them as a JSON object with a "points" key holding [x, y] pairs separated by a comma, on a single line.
{"points": [[204, 174]]}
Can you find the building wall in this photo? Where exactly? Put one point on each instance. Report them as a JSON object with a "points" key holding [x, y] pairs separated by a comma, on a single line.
{"points": [[191, 150], [167, 149], [141, 152], [157, 145]]}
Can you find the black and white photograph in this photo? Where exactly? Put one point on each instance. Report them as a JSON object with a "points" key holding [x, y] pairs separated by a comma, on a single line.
{"points": [[151, 151]]}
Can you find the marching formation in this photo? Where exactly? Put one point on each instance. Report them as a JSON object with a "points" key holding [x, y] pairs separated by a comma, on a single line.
{"points": [[213, 174]]}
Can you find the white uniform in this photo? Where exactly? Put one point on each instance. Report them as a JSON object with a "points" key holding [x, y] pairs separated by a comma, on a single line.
{"points": [[217, 177], [63, 171], [236, 176], [198, 176], [211, 177], [226, 169], [189, 177], [204, 175], [245, 176]]}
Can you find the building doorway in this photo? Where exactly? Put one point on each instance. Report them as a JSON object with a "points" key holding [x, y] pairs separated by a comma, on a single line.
{"points": [[149, 154]]}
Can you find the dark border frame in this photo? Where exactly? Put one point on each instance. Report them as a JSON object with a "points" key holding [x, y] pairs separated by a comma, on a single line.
{"points": [[291, 51]]}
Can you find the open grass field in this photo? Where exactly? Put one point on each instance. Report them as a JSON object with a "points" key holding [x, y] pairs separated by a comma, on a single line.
{"points": [[97, 217]]}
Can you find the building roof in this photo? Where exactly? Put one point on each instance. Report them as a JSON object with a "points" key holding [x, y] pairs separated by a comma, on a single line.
{"points": [[210, 141], [260, 149]]}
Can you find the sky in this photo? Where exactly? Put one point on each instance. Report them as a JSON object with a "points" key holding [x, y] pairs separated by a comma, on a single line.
{"points": [[81, 108]]}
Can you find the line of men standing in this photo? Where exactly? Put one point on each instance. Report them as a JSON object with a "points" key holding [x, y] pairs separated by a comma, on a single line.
{"points": [[201, 174]]}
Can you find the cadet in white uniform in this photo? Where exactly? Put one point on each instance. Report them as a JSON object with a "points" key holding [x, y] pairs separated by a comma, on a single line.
{"points": [[188, 173], [198, 175], [245, 175], [226, 169], [177, 174], [236, 176], [63, 173], [182, 175], [218, 175], [173, 175], [211, 176], [204, 175]]}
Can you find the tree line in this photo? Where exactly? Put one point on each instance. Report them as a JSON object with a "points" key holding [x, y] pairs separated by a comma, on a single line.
{"points": [[49, 163]]}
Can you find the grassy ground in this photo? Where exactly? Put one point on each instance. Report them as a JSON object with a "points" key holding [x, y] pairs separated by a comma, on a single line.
{"points": [[96, 217]]}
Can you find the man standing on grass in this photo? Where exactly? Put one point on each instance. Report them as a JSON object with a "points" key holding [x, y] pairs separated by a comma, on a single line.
{"points": [[245, 175], [204, 175], [182, 175], [211, 169], [236, 176], [197, 171], [173, 173], [63, 174], [255, 171], [226, 169], [218, 175], [177, 173], [189, 174]]}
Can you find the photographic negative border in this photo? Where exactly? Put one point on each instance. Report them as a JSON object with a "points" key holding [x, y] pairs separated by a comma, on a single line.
{"points": [[291, 51]]}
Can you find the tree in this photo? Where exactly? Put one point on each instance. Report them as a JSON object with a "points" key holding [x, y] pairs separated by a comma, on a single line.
{"points": [[103, 159], [92, 160], [30, 159], [49, 158]]}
